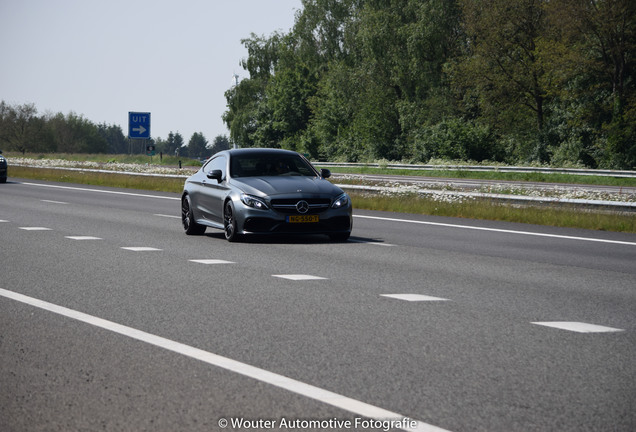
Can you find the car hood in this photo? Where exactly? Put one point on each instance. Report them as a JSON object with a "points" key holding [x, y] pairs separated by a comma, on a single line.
{"points": [[284, 185]]}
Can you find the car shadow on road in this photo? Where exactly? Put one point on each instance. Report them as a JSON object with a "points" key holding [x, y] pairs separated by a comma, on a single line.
{"points": [[293, 239]]}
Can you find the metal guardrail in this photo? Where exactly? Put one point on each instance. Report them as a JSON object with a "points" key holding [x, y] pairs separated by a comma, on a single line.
{"points": [[495, 168]]}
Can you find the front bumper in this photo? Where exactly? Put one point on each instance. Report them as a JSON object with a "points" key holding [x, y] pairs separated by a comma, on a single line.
{"points": [[330, 221]]}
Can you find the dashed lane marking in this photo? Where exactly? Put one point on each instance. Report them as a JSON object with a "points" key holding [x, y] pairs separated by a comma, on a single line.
{"points": [[141, 249], [211, 261], [168, 216], [578, 327], [83, 238], [413, 297], [298, 277], [35, 229]]}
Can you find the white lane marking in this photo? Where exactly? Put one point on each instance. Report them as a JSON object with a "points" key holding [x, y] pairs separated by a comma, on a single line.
{"points": [[578, 327], [298, 277], [413, 297], [83, 238], [168, 216], [498, 230], [35, 228], [280, 381], [141, 249], [3, 221], [211, 261], [101, 191], [54, 202]]}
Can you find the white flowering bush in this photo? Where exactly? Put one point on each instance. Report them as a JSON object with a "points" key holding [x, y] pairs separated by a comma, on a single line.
{"points": [[108, 166], [445, 191]]}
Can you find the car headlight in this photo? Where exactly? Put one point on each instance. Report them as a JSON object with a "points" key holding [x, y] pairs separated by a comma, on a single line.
{"points": [[341, 201], [254, 202]]}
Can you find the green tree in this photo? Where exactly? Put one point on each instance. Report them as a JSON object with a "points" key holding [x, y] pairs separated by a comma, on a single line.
{"points": [[322, 29], [75, 134], [249, 117], [197, 146], [20, 127], [590, 51], [221, 142], [386, 81], [502, 70], [179, 148], [114, 137], [288, 96], [170, 145], [333, 109], [528, 80]]}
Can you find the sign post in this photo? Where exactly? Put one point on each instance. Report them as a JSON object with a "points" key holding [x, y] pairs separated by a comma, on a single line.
{"points": [[150, 151]]}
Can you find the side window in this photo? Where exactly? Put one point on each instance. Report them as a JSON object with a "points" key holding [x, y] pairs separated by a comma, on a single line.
{"points": [[218, 163]]}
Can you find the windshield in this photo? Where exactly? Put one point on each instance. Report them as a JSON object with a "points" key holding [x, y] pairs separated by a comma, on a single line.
{"points": [[255, 164]]}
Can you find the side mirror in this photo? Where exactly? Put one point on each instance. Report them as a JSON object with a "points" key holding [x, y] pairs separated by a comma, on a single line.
{"points": [[325, 173], [216, 175]]}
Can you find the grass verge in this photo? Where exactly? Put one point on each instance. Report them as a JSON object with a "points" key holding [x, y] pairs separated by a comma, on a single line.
{"points": [[114, 179], [570, 217], [566, 217]]}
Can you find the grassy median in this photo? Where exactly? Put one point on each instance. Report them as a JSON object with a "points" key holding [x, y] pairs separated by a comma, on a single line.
{"points": [[114, 179], [562, 216]]}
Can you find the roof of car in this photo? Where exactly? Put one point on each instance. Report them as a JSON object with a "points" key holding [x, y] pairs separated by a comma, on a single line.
{"points": [[259, 150]]}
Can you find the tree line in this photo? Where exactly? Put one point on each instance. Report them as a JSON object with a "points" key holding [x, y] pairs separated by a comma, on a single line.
{"points": [[524, 81], [23, 130]]}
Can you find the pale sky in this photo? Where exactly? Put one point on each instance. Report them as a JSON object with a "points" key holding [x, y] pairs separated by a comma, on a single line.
{"points": [[103, 58]]}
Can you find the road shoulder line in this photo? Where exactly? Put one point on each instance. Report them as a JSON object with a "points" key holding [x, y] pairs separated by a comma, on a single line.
{"points": [[283, 382]]}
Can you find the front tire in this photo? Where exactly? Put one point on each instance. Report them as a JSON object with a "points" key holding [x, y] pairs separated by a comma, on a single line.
{"points": [[187, 218], [229, 222]]}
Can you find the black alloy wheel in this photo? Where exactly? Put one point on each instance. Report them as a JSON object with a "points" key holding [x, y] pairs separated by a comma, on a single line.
{"points": [[187, 218], [229, 222]]}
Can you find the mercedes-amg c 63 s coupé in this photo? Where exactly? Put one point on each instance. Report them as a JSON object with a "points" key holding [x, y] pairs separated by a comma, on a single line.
{"points": [[264, 191]]}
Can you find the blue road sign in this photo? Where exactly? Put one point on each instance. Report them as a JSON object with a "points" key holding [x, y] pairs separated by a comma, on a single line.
{"points": [[139, 125]]}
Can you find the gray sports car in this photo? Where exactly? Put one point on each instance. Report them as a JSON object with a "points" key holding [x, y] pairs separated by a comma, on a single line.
{"points": [[264, 191]]}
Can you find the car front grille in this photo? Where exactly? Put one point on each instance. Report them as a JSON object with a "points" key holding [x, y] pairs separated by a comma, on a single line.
{"points": [[288, 205]]}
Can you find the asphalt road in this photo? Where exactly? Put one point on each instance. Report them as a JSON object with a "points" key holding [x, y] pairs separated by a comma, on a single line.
{"points": [[302, 334]]}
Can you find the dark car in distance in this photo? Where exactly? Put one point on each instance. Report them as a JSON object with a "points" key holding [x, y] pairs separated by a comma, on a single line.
{"points": [[264, 191], [3, 168]]}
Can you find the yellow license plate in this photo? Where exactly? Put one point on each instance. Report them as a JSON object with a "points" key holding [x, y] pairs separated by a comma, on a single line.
{"points": [[302, 219]]}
